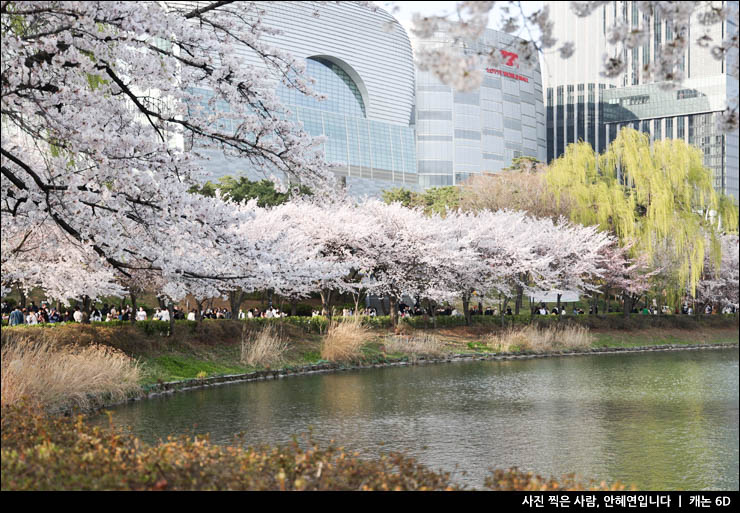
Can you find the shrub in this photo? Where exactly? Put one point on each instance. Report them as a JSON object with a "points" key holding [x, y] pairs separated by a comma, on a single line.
{"points": [[344, 340], [62, 377], [265, 349], [541, 339], [516, 480], [63, 453], [40, 452], [415, 345]]}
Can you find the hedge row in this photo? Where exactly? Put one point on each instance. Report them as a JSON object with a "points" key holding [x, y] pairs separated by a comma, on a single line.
{"points": [[319, 324]]}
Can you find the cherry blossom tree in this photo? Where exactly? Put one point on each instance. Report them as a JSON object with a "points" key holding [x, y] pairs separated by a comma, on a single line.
{"points": [[98, 102], [629, 276], [720, 285]]}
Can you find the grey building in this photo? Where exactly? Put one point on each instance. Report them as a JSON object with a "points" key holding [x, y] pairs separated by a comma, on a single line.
{"points": [[464, 133]]}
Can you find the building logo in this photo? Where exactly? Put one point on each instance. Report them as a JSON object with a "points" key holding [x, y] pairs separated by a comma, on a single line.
{"points": [[510, 59]]}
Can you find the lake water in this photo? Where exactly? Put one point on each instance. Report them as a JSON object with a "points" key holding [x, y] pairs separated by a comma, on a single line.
{"points": [[661, 421]]}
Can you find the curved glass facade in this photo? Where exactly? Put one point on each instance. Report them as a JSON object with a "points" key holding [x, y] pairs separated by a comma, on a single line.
{"points": [[342, 94], [366, 148], [362, 64]]}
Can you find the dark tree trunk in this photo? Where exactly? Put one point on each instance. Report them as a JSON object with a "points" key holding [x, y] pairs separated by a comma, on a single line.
{"points": [[270, 293], [466, 308], [22, 297], [504, 302], [394, 310], [293, 307], [559, 296], [519, 299], [236, 298], [381, 300], [199, 311], [171, 310], [431, 305], [627, 304], [133, 306]]}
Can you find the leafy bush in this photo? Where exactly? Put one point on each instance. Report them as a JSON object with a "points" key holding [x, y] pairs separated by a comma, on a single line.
{"points": [[62, 453], [516, 480], [40, 452]]}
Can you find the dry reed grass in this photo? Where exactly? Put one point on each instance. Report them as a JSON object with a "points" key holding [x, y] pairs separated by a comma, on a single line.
{"points": [[416, 345], [540, 340], [267, 348], [66, 376], [344, 340]]}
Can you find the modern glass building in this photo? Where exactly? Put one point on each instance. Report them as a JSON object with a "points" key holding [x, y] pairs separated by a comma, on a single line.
{"points": [[464, 133], [689, 113], [362, 62], [583, 105]]}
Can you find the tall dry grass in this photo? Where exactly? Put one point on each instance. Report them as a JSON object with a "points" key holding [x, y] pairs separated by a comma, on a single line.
{"points": [[267, 348], [415, 345], [66, 376], [344, 340], [541, 339]]}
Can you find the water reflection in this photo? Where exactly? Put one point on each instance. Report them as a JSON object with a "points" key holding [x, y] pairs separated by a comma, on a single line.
{"points": [[659, 420]]}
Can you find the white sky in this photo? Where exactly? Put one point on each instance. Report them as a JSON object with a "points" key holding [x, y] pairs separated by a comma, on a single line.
{"points": [[403, 11]]}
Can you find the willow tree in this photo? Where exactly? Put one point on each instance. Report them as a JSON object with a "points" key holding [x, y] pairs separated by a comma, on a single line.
{"points": [[657, 194]]}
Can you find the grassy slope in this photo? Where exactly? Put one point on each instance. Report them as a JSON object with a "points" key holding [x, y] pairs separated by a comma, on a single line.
{"points": [[215, 348], [180, 361]]}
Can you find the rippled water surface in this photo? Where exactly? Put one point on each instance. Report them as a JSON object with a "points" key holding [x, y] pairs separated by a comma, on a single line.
{"points": [[666, 420]]}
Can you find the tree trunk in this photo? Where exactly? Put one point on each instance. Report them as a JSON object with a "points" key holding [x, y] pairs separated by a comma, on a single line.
{"points": [[627, 304], [466, 308], [133, 306], [394, 310], [382, 306], [432, 306], [326, 302], [22, 297], [171, 310], [356, 298], [293, 307], [504, 302], [199, 311], [559, 296], [519, 299], [236, 298]]}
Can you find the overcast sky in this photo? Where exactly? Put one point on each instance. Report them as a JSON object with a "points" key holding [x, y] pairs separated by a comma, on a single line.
{"points": [[403, 11]]}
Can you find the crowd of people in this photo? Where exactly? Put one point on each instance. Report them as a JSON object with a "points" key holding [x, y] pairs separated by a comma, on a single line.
{"points": [[44, 313]]}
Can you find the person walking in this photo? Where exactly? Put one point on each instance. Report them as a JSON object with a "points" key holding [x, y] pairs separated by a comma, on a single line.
{"points": [[16, 317]]}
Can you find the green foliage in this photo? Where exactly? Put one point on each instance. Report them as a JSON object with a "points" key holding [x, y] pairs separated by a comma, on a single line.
{"points": [[178, 367], [525, 163], [660, 196], [435, 200], [242, 190], [207, 189]]}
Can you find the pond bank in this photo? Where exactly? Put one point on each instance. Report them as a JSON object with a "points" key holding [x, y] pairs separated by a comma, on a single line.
{"points": [[192, 384]]}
